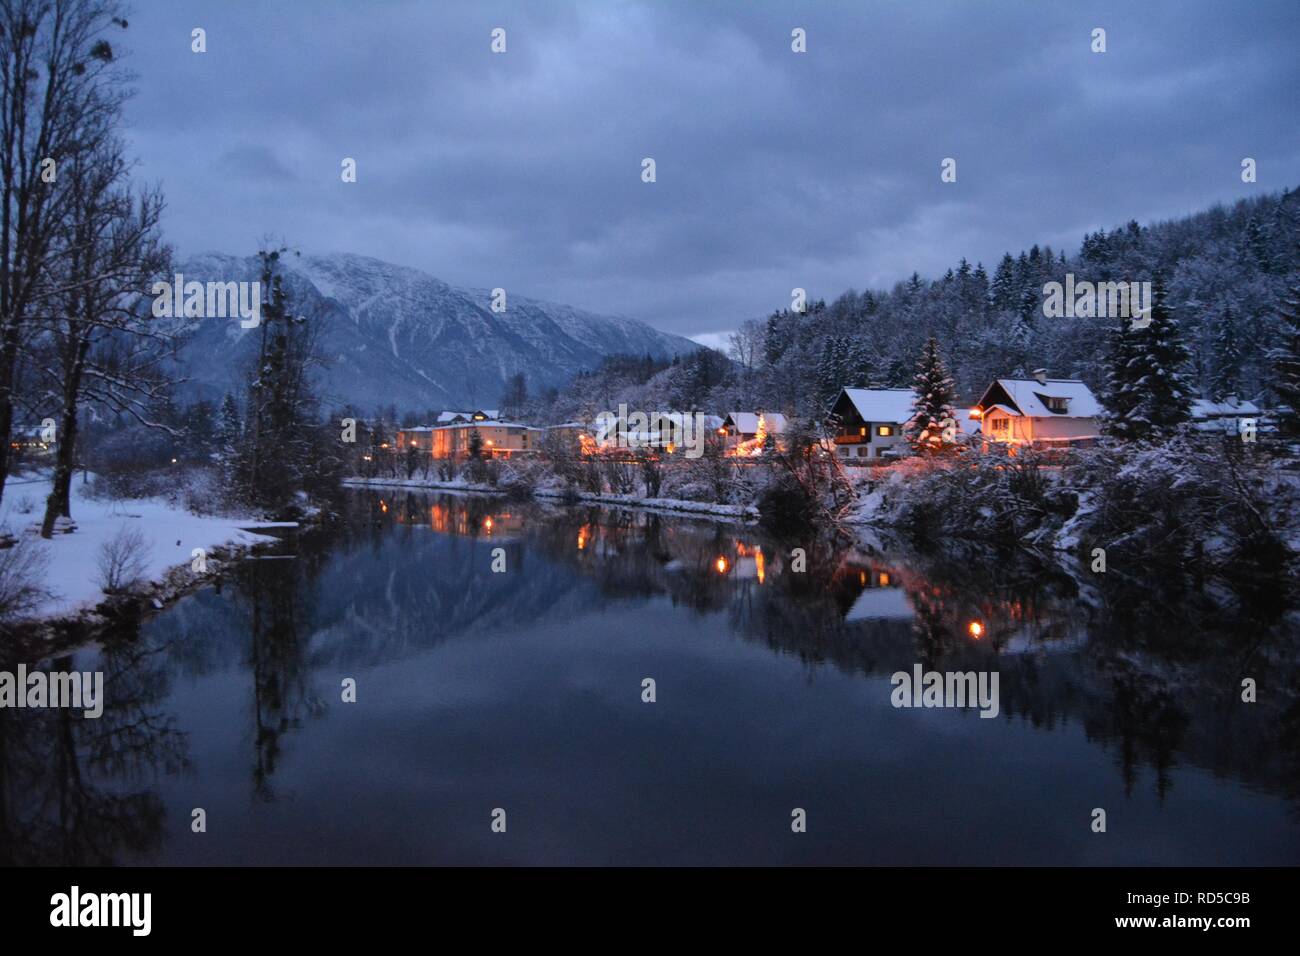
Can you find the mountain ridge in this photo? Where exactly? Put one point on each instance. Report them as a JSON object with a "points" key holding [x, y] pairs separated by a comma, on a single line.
{"points": [[396, 335]]}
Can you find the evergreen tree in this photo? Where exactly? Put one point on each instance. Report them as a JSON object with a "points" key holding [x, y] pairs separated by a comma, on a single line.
{"points": [[1002, 291], [1166, 393], [229, 427], [1226, 375], [1119, 394], [280, 438], [1146, 392], [1285, 359], [933, 426]]}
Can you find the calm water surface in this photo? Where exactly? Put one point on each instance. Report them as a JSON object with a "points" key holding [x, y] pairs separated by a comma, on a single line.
{"points": [[523, 690]]}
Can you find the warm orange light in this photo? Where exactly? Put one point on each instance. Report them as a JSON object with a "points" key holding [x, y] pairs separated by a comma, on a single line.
{"points": [[487, 523], [582, 537], [977, 412], [975, 629], [722, 564], [884, 579], [383, 506], [758, 564], [862, 578]]}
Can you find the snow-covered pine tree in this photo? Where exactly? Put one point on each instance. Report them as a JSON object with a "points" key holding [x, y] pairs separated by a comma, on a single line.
{"points": [[933, 426], [1285, 358], [1225, 377], [1119, 394], [1163, 388], [230, 430], [1002, 290]]}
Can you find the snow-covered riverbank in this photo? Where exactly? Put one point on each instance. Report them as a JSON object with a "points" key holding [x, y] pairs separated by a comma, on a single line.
{"points": [[678, 505], [72, 578]]}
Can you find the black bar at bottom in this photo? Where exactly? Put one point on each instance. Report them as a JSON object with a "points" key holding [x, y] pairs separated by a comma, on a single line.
{"points": [[369, 904]]}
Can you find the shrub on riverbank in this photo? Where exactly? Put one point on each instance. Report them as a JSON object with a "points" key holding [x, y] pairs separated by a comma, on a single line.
{"points": [[1210, 508]]}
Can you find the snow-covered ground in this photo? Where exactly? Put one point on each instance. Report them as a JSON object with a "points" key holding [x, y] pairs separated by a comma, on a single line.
{"points": [[72, 573]]}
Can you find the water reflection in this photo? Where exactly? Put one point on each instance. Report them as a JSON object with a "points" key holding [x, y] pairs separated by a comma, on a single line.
{"points": [[1148, 668]]}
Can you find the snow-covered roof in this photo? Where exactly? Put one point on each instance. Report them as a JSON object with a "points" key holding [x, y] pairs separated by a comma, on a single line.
{"points": [[444, 417], [569, 425], [747, 422], [1004, 408], [882, 404], [1203, 408], [489, 424], [1028, 394]]}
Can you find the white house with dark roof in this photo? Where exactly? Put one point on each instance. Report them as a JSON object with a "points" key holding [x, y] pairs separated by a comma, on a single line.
{"points": [[1039, 410], [867, 422]]}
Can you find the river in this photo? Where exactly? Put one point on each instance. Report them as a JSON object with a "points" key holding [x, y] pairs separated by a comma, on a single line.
{"points": [[500, 654]]}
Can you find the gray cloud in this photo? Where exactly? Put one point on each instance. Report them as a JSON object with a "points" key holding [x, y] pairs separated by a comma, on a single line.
{"points": [[774, 169]]}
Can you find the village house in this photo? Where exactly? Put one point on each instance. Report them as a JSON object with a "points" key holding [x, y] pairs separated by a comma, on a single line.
{"points": [[32, 438], [1225, 416], [499, 439], [569, 431], [1040, 411], [477, 415], [740, 427], [867, 422]]}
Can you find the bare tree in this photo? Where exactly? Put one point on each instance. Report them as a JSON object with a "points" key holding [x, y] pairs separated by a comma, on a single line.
{"points": [[102, 344], [60, 90]]}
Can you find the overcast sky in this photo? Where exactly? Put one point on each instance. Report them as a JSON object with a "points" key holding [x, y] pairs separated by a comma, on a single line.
{"points": [[775, 169]]}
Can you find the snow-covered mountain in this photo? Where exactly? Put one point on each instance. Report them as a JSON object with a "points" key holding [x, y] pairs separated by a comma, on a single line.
{"points": [[394, 335]]}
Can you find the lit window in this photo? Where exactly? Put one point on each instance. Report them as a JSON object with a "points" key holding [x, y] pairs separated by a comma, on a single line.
{"points": [[884, 431]]}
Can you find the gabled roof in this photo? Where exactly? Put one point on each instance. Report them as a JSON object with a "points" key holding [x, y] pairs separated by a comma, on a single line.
{"points": [[1203, 408], [1028, 395], [491, 423], [747, 422], [880, 404], [444, 417]]}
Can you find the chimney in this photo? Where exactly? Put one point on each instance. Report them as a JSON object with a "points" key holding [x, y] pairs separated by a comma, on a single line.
{"points": [[1041, 375]]}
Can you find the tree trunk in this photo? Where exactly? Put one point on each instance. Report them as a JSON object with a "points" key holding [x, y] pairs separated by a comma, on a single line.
{"points": [[60, 499]]}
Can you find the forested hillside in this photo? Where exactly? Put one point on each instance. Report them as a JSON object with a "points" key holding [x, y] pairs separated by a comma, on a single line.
{"points": [[1225, 271]]}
